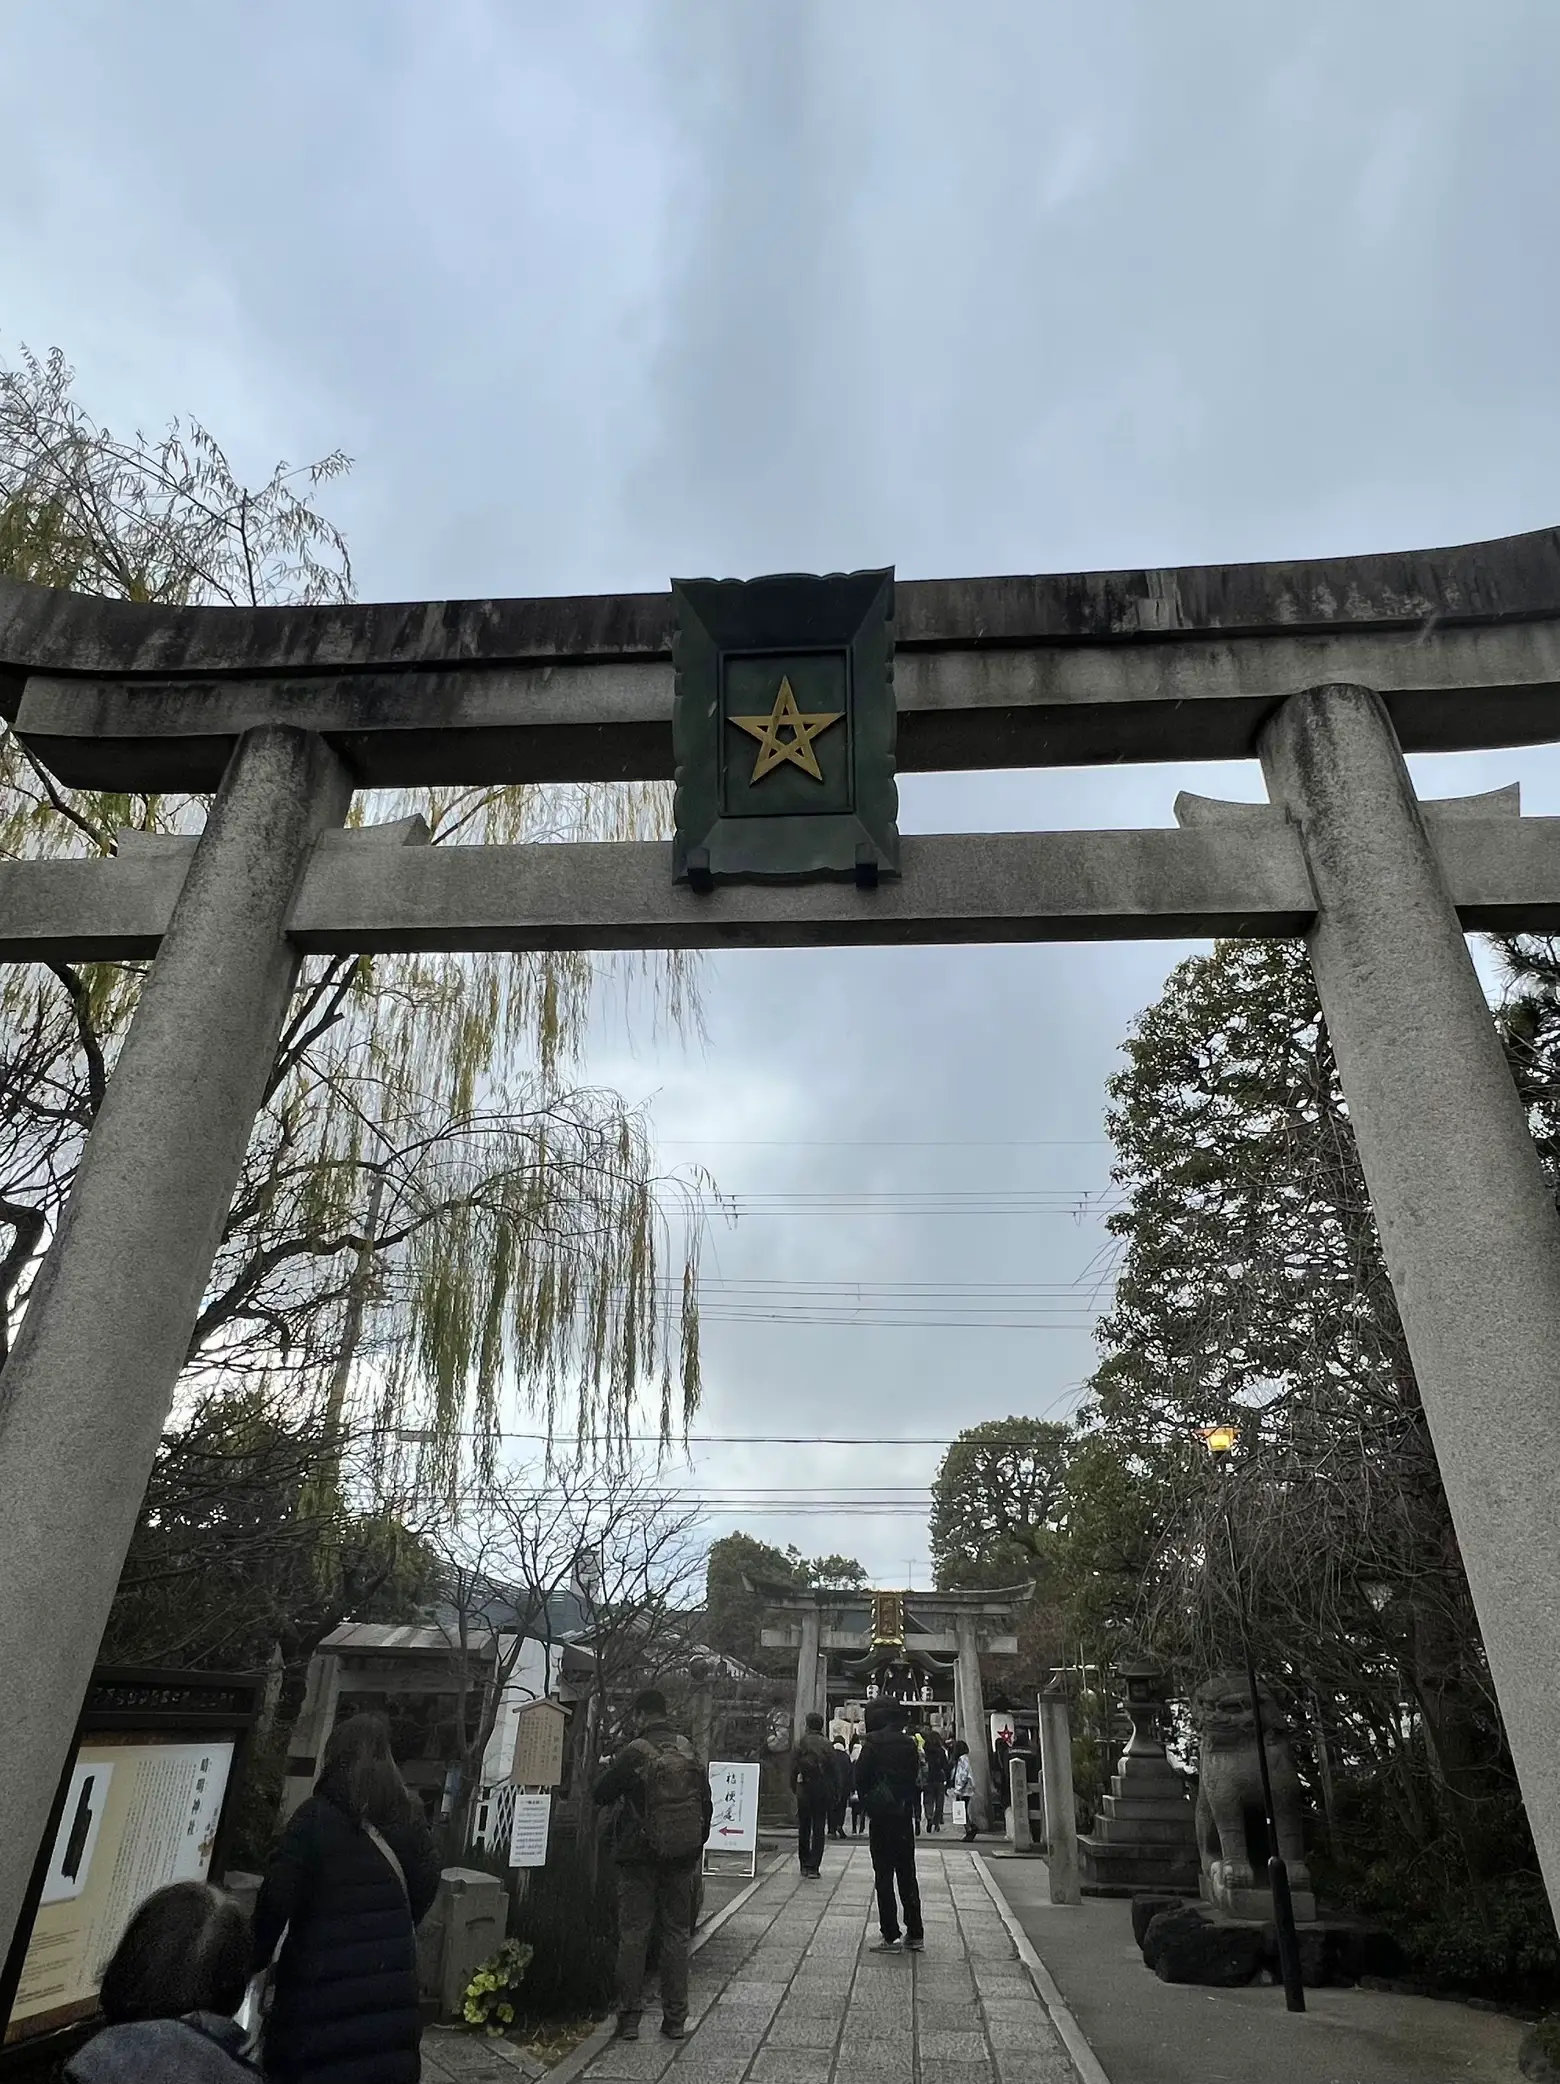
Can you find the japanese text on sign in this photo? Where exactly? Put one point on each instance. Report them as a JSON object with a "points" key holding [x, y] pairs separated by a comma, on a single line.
{"points": [[734, 1790]]}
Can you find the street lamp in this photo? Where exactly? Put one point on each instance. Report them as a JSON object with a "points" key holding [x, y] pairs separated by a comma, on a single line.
{"points": [[1221, 1442]]}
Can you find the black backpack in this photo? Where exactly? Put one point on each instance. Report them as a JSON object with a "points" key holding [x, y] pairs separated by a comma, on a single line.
{"points": [[812, 1765]]}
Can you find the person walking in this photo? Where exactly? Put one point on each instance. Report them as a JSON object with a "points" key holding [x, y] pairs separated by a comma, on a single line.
{"points": [[936, 1780], [858, 1815], [839, 1787], [353, 1876], [169, 1994], [919, 1742], [886, 1775], [1001, 1778], [962, 1787], [664, 1808], [812, 1780]]}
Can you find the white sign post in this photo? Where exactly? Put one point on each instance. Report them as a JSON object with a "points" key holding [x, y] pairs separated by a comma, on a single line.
{"points": [[734, 1826], [528, 1833]]}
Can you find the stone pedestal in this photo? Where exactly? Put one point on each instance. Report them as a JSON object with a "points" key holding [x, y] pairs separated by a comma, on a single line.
{"points": [[1145, 1836], [1253, 1905], [465, 1927]]}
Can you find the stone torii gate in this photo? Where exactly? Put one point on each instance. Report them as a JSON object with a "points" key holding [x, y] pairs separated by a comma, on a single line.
{"points": [[1327, 671], [927, 1625]]}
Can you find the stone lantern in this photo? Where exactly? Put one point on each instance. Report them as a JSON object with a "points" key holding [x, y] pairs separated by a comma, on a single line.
{"points": [[1144, 1838]]}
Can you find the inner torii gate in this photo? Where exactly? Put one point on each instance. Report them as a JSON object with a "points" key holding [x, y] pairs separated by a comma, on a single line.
{"points": [[1327, 671], [927, 1626]]}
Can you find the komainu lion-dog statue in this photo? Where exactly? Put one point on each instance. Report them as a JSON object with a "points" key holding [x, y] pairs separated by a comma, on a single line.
{"points": [[1230, 1825]]}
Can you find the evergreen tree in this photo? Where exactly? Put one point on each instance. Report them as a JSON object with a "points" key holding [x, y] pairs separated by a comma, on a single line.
{"points": [[998, 1499], [1251, 1286]]}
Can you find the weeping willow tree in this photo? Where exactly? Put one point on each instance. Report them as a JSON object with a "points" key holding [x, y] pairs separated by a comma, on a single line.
{"points": [[432, 1211]]}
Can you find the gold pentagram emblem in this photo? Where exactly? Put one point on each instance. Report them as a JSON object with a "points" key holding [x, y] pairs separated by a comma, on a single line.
{"points": [[773, 750]]}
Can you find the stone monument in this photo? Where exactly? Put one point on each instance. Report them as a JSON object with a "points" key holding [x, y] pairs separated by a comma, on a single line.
{"points": [[1144, 1837]]}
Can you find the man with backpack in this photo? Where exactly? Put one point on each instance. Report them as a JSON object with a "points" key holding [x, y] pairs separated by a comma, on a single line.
{"points": [[812, 1778], [887, 1772], [664, 1809]]}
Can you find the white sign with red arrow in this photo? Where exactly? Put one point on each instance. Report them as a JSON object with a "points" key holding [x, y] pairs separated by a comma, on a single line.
{"points": [[734, 1791]]}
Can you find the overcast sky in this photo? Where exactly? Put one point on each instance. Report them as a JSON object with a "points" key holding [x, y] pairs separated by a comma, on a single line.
{"points": [[595, 295]]}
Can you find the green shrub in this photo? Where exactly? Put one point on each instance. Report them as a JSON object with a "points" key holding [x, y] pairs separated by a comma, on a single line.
{"points": [[1498, 1943], [490, 1995]]}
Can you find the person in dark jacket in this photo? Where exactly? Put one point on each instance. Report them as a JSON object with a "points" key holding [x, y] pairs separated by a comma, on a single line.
{"points": [[354, 1875], [936, 1780], [169, 1994], [812, 1781], [887, 1772], [839, 1788], [657, 1898]]}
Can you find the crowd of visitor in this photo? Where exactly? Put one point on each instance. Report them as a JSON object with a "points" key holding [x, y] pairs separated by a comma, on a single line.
{"points": [[321, 1986]]}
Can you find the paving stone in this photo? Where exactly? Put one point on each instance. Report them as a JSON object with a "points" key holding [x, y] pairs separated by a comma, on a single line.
{"points": [[796, 2027], [691, 2067], [881, 2054], [798, 1997], [1051, 2065], [940, 2046], [793, 2065], [1027, 2029], [947, 2017], [634, 2059]]}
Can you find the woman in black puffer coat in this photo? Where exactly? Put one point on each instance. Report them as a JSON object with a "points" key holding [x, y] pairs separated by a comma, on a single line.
{"points": [[353, 1875]]}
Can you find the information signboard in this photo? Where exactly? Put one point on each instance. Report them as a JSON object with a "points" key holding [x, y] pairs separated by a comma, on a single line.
{"points": [[539, 1729], [140, 1806], [734, 1825], [528, 1832]]}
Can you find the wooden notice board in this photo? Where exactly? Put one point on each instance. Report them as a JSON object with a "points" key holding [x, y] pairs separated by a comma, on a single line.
{"points": [[539, 1732]]}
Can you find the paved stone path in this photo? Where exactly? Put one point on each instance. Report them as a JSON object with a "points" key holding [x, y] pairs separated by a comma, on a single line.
{"points": [[788, 1991]]}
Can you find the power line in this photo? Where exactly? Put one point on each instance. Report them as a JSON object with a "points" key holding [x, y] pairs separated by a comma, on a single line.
{"points": [[886, 1143], [869, 1322]]}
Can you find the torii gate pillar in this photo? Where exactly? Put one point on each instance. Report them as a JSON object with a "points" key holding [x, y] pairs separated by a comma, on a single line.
{"points": [[91, 1377], [1468, 1224]]}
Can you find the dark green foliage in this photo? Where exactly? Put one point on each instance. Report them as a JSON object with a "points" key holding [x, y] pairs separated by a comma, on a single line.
{"points": [[998, 1501], [1251, 1285], [831, 1573], [568, 1915], [733, 1616], [247, 1542]]}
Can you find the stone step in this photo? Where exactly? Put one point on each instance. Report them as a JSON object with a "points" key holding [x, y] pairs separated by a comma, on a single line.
{"points": [[1144, 1830], [1112, 1869], [1174, 1809], [1145, 1777]]}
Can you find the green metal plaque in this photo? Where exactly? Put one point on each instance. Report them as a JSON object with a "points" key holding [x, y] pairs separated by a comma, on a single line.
{"points": [[783, 730]]}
